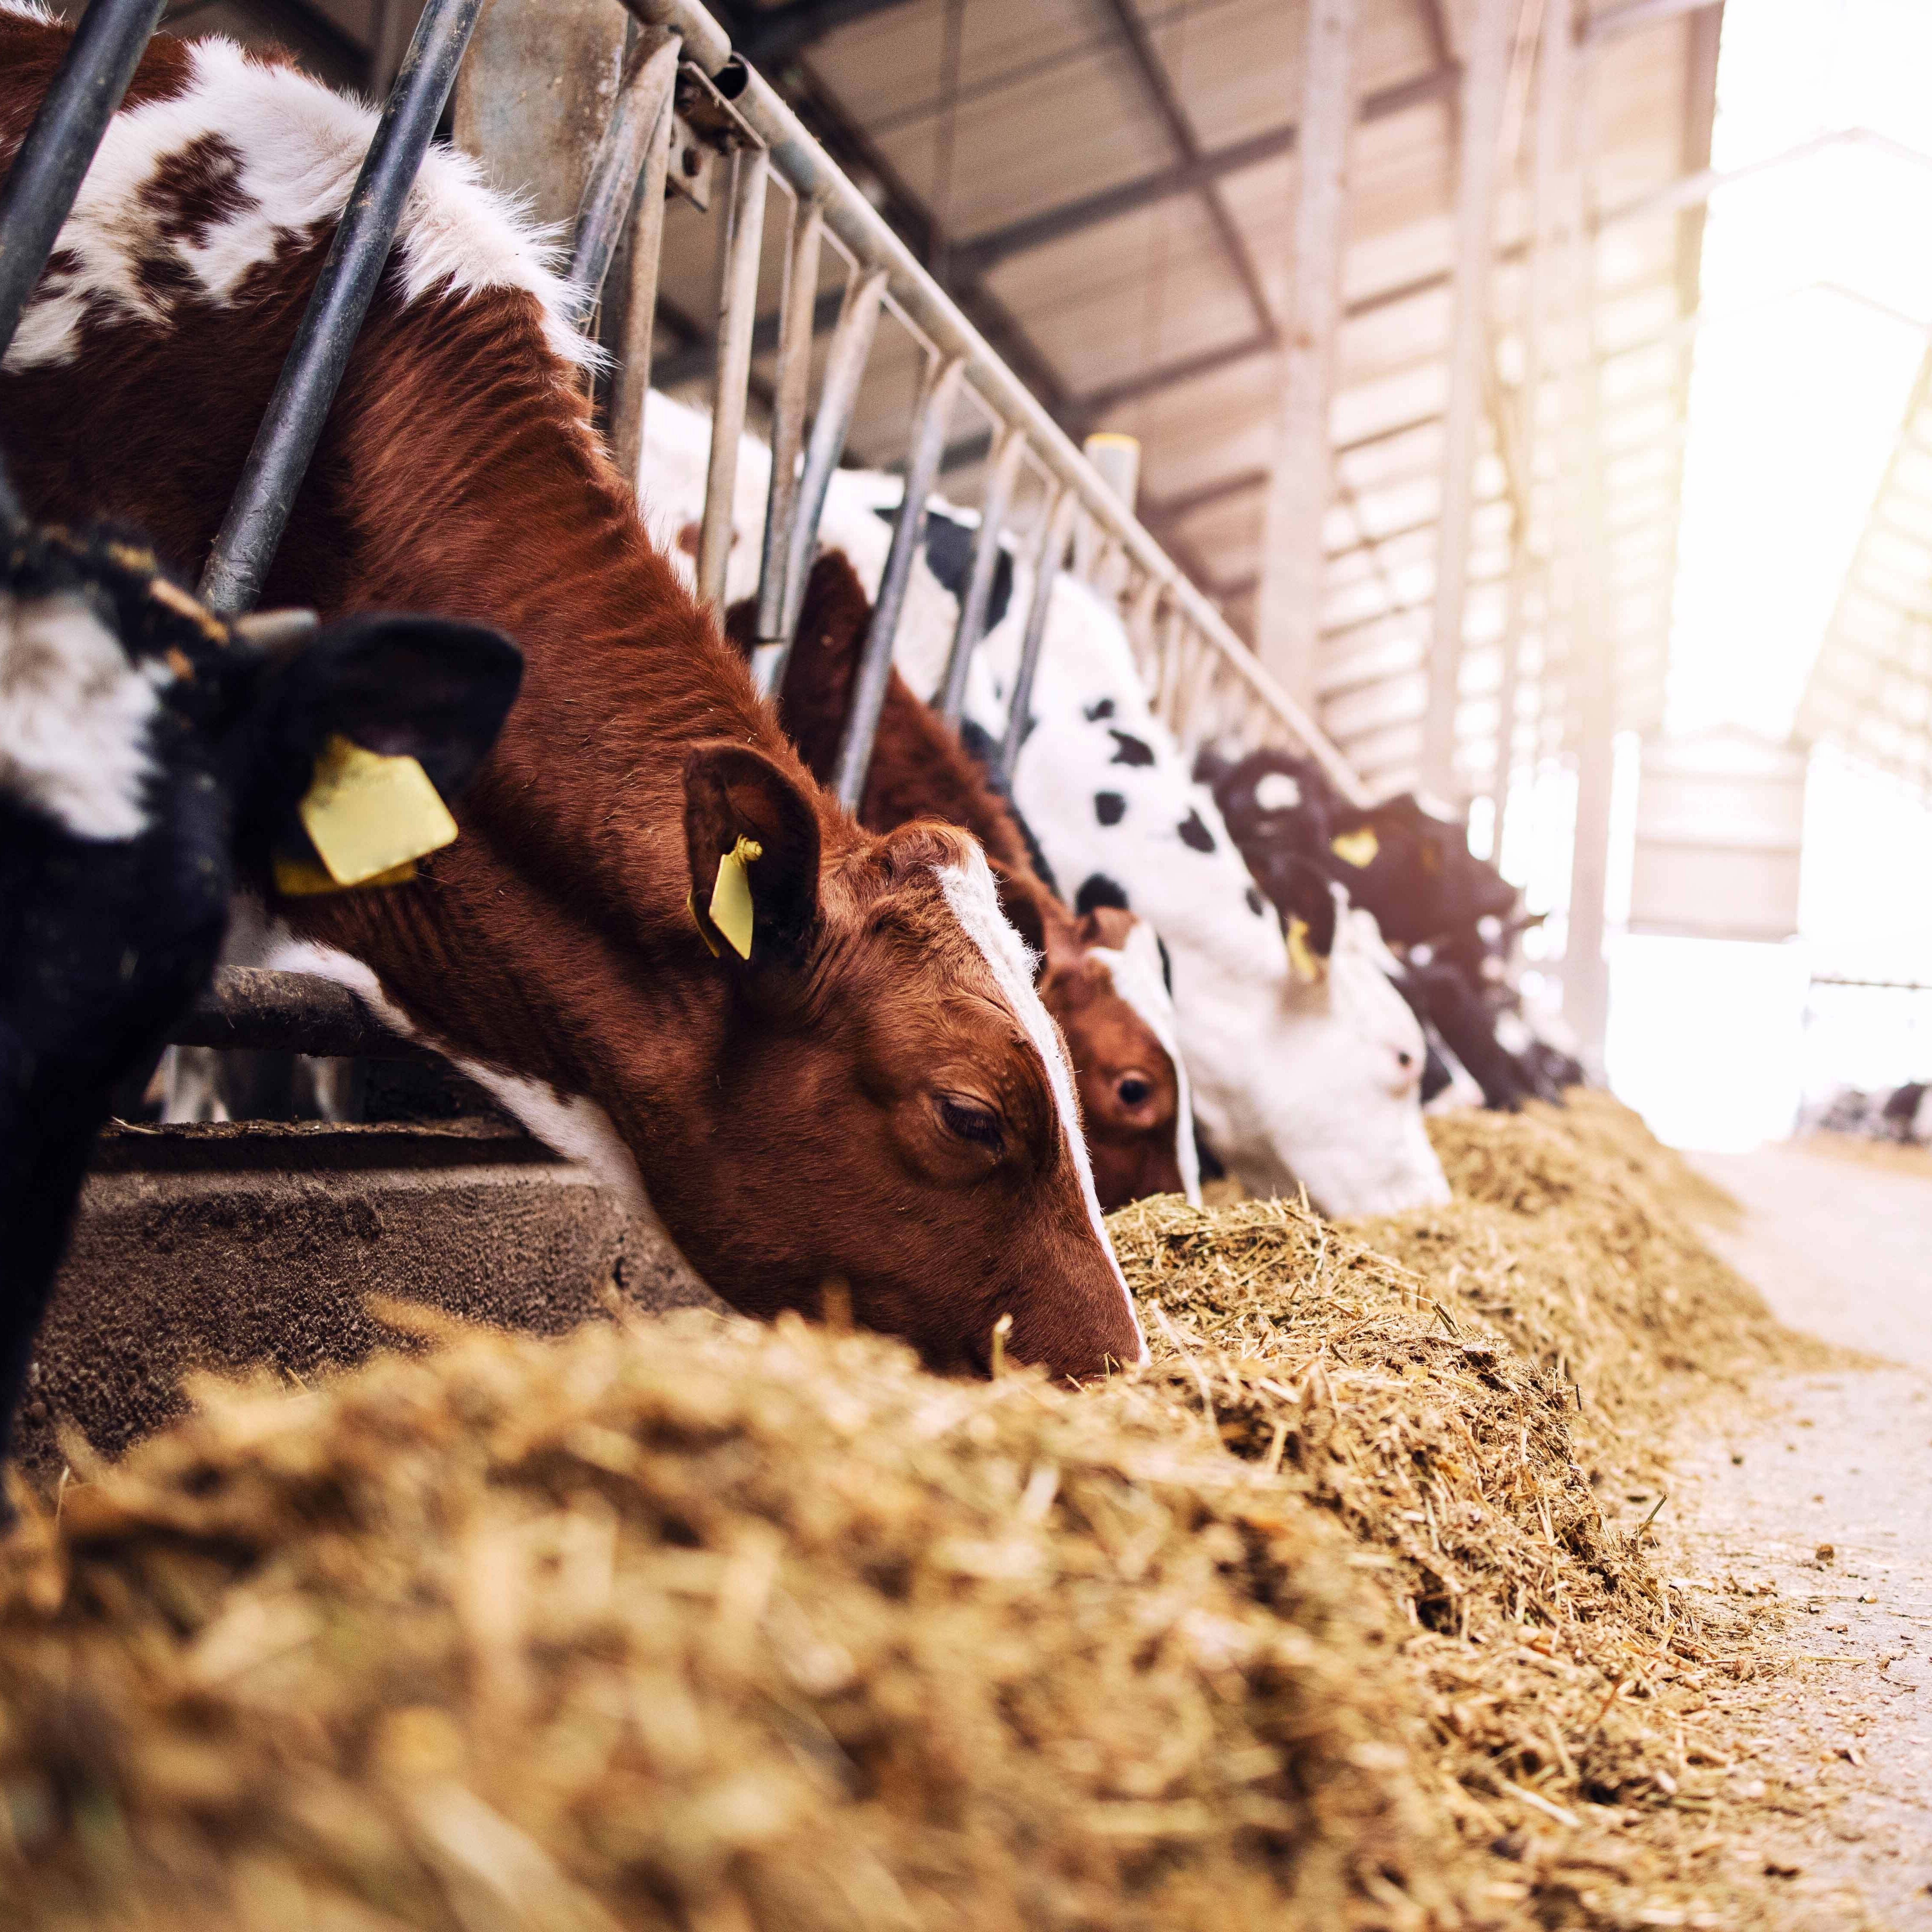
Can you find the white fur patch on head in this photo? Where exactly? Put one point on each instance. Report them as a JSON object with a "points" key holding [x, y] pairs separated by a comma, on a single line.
{"points": [[76, 719], [1276, 791], [975, 903], [1134, 970], [211, 184]]}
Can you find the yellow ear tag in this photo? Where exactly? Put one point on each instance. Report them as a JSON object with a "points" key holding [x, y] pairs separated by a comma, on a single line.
{"points": [[1357, 848], [367, 814], [731, 896], [1304, 962]]}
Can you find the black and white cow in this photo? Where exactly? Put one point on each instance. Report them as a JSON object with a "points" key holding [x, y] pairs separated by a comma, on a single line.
{"points": [[151, 757], [1451, 915]]}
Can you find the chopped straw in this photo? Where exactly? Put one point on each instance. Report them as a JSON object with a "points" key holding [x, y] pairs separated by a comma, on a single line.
{"points": [[1321, 1620]]}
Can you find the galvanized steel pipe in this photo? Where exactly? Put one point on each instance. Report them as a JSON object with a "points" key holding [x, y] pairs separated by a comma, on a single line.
{"points": [[643, 101], [60, 146], [305, 389], [1056, 532], [793, 392], [972, 624], [737, 316], [875, 658], [845, 366]]}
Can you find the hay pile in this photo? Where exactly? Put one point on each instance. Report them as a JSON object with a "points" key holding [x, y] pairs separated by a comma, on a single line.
{"points": [[707, 1625], [1318, 1621]]}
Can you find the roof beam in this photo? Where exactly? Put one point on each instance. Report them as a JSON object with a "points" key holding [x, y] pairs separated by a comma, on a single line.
{"points": [[981, 253], [1173, 113]]}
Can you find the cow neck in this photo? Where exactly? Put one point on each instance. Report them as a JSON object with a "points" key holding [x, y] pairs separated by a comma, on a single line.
{"points": [[560, 919]]}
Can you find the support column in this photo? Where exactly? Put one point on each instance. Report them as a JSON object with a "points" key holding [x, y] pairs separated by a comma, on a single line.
{"points": [[1289, 611], [1485, 79], [535, 94], [1593, 677], [1531, 544]]}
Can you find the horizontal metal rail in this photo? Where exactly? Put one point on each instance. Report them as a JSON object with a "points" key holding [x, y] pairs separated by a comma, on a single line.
{"points": [[290, 1012]]}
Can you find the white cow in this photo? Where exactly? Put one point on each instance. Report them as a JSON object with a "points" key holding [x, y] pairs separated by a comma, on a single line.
{"points": [[1308, 1075]]}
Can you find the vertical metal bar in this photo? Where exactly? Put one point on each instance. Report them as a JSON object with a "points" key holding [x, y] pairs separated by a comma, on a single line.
{"points": [[1140, 619], [1172, 634], [1288, 616], [638, 115], [60, 146], [1057, 528], [1485, 77], [738, 314], [794, 391], [845, 369], [875, 657], [631, 381], [972, 624], [306, 388]]}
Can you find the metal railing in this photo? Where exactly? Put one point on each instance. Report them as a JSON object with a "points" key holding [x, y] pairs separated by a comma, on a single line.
{"points": [[682, 81], [1205, 678]]}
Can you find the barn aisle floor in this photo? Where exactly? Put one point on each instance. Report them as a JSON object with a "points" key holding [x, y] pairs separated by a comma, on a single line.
{"points": [[1819, 1488]]}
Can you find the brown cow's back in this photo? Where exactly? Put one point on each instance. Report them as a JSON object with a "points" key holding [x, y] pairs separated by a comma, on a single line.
{"points": [[874, 1095]]}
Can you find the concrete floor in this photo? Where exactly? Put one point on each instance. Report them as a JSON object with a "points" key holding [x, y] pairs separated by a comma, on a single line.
{"points": [[1820, 1490]]}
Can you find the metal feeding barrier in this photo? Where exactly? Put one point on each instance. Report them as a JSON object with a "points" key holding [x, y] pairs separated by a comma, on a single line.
{"points": [[681, 87]]}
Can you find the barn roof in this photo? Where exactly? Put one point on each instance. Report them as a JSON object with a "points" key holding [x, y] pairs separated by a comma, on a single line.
{"points": [[1109, 187]]}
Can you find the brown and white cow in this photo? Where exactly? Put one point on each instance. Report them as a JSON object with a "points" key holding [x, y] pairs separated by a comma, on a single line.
{"points": [[1132, 1090], [875, 1096]]}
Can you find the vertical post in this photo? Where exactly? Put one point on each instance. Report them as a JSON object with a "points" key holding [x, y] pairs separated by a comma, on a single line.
{"points": [[793, 392], [844, 370], [1056, 528], [630, 329], [737, 316], [972, 624], [1288, 617], [875, 656], [60, 145], [292, 426], [536, 94], [1553, 56], [1485, 76], [1593, 674]]}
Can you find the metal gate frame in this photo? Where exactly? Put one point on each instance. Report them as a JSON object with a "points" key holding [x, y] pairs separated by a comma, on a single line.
{"points": [[682, 84]]}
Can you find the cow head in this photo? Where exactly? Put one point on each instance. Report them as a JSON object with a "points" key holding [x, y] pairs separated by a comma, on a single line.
{"points": [[152, 754], [892, 1117], [1107, 993]]}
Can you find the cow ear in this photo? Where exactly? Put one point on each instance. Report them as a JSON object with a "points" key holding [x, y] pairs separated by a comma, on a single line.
{"points": [[1020, 905], [425, 687], [1106, 925], [1304, 893], [746, 818]]}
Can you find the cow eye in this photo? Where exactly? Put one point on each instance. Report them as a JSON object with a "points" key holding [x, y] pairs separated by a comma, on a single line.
{"points": [[1135, 1089], [970, 1121]]}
